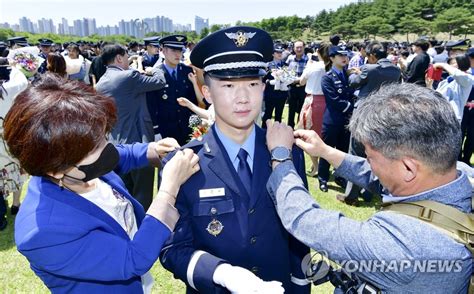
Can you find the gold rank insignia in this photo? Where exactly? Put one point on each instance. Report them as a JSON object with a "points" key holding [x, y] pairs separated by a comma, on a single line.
{"points": [[214, 227], [240, 38]]}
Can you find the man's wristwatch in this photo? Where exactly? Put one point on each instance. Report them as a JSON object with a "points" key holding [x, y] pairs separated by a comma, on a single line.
{"points": [[281, 154]]}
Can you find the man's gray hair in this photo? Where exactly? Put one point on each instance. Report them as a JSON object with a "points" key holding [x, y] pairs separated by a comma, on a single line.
{"points": [[409, 120]]}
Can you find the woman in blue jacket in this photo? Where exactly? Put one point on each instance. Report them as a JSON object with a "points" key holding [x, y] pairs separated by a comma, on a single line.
{"points": [[78, 226]]}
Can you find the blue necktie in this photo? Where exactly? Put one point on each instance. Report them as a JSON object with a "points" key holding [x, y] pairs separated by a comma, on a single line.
{"points": [[342, 76], [244, 172], [173, 74]]}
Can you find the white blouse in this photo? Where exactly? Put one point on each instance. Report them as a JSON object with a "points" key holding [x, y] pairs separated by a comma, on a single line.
{"points": [[121, 210], [314, 72]]}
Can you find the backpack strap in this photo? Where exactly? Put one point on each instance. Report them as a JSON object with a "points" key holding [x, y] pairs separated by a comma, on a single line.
{"points": [[445, 218]]}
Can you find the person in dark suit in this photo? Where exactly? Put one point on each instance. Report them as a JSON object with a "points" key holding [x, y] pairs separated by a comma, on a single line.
{"points": [[128, 88], [169, 118], [369, 78], [228, 237], [339, 105], [416, 70], [78, 226], [467, 124]]}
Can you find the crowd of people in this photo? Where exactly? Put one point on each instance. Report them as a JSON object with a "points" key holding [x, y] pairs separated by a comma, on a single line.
{"points": [[233, 212]]}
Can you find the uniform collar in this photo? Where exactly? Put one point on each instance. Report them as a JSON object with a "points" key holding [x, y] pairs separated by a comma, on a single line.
{"points": [[336, 70], [233, 148], [170, 69]]}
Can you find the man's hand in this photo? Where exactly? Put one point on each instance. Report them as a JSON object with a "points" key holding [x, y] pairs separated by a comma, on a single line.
{"points": [[310, 142], [355, 70], [279, 134]]}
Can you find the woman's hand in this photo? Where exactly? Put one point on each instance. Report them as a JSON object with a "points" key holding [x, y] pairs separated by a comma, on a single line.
{"points": [[165, 146], [184, 102], [158, 150], [178, 170], [192, 78]]}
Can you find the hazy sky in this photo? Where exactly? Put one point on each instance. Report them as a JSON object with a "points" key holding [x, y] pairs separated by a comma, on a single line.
{"points": [[109, 12]]}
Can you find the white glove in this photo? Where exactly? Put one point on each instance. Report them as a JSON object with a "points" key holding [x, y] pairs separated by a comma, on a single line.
{"points": [[239, 280], [272, 82]]}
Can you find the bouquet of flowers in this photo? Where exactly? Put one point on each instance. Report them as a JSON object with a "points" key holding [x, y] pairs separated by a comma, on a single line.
{"points": [[27, 63], [199, 127], [283, 78]]}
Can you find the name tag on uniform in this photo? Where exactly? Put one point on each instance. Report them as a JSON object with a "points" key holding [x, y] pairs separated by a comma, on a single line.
{"points": [[214, 192], [337, 82]]}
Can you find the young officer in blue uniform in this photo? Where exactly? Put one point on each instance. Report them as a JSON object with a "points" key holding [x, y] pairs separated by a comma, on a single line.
{"points": [[169, 118], [339, 105], [45, 47], [274, 99], [229, 237], [151, 55]]}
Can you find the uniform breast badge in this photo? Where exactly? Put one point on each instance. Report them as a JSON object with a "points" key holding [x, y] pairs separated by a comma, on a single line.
{"points": [[214, 227]]}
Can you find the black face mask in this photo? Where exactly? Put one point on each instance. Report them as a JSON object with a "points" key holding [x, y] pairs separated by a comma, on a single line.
{"points": [[107, 162]]}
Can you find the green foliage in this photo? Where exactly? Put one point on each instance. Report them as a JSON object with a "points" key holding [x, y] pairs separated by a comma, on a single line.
{"points": [[365, 18], [204, 33], [453, 19]]}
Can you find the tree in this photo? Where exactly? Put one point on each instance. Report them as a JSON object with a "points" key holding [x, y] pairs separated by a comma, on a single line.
{"points": [[6, 33], [346, 30], [216, 27], [452, 19], [409, 25], [204, 33], [370, 26], [467, 28]]}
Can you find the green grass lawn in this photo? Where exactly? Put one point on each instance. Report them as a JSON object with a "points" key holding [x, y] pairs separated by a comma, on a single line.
{"points": [[17, 277]]}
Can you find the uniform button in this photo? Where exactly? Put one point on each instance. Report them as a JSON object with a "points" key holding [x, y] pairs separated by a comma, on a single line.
{"points": [[254, 269], [178, 110], [253, 240], [213, 210], [251, 210]]}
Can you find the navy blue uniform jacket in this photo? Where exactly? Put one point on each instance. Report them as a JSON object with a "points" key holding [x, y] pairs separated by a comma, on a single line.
{"points": [[252, 236], [169, 118], [339, 99]]}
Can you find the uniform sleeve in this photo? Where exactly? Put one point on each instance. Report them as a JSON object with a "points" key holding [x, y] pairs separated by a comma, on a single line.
{"points": [[464, 79], [194, 267], [132, 156], [358, 80], [143, 83], [357, 170], [329, 232], [333, 98], [298, 250], [95, 255]]}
